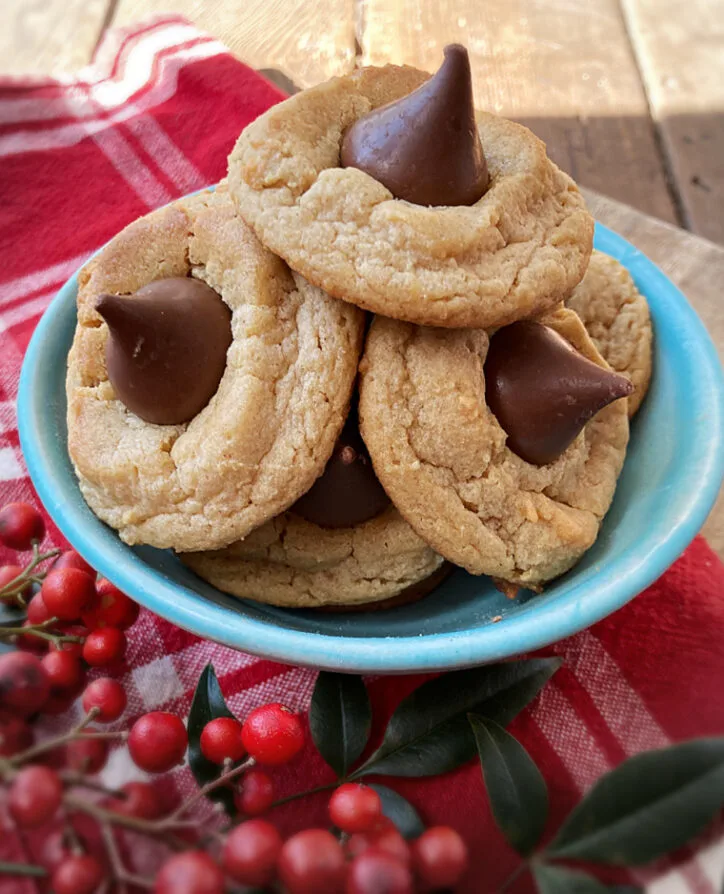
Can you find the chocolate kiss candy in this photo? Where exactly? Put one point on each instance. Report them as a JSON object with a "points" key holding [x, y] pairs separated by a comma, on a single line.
{"points": [[543, 391], [166, 352], [347, 493], [425, 147]]}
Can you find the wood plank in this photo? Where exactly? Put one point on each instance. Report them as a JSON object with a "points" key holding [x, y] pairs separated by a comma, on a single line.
{"points": [[697, 267], [309, 40], [563, 67], [48, 37], [680, 47]]}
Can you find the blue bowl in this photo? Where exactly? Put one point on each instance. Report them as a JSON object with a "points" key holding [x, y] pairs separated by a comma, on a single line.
{"points": [[671, 478]]}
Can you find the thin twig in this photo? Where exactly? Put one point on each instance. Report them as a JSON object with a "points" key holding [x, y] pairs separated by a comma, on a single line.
{"points": [[220, 781], [13, 588], [121, 875], [69, 777], [51, 744]]}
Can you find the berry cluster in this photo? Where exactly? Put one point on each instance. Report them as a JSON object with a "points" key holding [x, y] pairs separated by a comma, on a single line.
{"points": [[77, 621]]}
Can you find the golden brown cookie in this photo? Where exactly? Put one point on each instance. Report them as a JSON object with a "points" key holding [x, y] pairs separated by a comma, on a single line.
{"points": [[265, 435], [617, 318], [291, 562], [517, 251], [442, 456]]}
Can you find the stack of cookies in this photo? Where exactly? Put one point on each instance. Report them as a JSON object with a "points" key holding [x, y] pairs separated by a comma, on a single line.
{"points": [[381, 349]]}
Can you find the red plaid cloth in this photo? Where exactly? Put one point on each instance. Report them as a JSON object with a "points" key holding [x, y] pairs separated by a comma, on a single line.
{"points": [[152, 118]]}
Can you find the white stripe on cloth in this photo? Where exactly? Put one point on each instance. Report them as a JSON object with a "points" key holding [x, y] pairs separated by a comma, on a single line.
{"points": [[7, 416], [56, 274], [72, 134], [26, 310], [11, 467], [121, 155], [624, 712], [182, 172], [129, 72]]}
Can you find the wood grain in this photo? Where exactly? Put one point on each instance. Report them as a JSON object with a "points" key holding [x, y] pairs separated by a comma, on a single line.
{"points": [[563, 67], [49, 37], [680, 47], [309, 40], [697, 267]]}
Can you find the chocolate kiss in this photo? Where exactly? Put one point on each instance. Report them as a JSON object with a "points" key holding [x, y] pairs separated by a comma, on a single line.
{"points": [[347, 493], [542, 391], [166, 352], [425, 147]]}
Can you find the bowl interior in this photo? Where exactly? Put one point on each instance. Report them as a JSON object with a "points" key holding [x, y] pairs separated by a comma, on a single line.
{"points": [[670, 480]]}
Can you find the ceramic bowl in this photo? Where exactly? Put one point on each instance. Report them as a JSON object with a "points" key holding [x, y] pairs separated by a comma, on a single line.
{"points": [[671, 478]]}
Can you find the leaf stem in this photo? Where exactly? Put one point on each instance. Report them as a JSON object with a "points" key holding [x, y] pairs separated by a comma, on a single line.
{"points": [[517, 872], [25, 869], [311, 791]]}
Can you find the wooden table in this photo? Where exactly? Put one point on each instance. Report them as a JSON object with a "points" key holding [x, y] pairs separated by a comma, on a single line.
{"points": [[628, 94]]}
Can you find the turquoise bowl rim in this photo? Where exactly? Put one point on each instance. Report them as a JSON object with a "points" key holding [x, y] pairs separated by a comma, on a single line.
{"points": [[627, 575]]}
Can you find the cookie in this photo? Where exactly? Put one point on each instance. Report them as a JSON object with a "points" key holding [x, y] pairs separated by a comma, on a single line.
{"points": [[617, 318], [444, 459], [269, 428], [515, 252], [298, 564]]}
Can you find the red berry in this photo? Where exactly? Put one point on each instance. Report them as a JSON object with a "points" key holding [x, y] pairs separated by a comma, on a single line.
{"points": [[108, 696], [221, 740], [312, 862], [35, 795], [67, 593], [354, 807], [254, 794], [377, 872], [15, 735], [141, 800], [440, 857], [71, 559], [113, 608], [104, 647], [157, 741], [20, 524], [78, 874], [37, 610], [54, 850], [383, 837], [24, 685], [272, 734], [63, 670], [251, 853], [191, 872], [8, 573], [86, 754], [70, 630]]}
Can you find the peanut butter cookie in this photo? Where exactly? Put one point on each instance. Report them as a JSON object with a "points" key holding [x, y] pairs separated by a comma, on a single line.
{"points": [[403, 249], [446, 460], [617, 318], [270, 423]]}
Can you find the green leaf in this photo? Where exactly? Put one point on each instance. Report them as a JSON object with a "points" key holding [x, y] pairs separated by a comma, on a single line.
{"points": [[651, 804], [429, 732], [557, 880], [400, 811], [208, 704], [517, 791], [339, 718]]}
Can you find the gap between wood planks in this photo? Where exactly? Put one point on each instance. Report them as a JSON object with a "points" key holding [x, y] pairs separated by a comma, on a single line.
{"points": [[666, 162]]}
